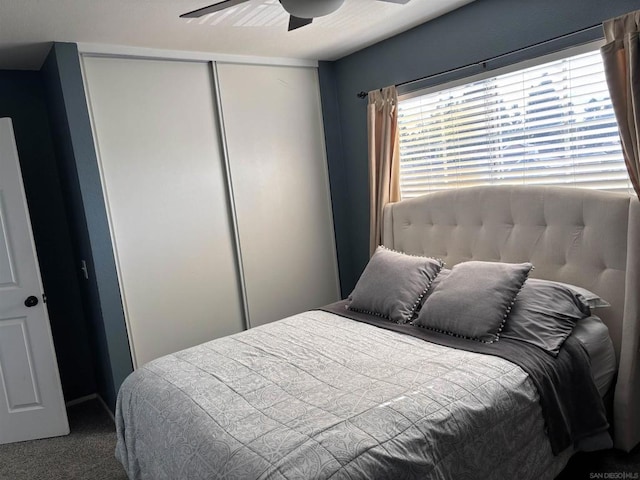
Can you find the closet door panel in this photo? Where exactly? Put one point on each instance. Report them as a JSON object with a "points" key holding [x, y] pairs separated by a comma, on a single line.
{"points": [[163, 175], [275, 143]]}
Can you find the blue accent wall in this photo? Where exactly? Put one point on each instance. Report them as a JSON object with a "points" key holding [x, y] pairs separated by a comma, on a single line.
{"points": [[22, 98], [82, 188], [337, 176], [473, 33]]}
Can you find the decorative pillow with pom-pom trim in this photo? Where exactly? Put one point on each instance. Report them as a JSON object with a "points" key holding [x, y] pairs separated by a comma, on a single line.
{"points": [[393, 284], [474, 300]]}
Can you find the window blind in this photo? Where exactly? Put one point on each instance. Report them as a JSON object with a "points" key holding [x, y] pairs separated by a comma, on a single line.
{"points": [[552, 124]]}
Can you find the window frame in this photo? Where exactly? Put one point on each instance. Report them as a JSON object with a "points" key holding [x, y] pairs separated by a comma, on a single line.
{"points": [[407, 93]]}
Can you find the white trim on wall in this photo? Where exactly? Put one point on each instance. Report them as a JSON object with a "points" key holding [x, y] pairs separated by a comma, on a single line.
{"points": [[96, 49], [232, 199]]}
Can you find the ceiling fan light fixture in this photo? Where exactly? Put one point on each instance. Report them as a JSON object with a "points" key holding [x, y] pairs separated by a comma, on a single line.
{"points": [[311, 8]]}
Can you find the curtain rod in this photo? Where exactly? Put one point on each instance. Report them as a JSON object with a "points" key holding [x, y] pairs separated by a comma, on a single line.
{"points": [[483, 63]]}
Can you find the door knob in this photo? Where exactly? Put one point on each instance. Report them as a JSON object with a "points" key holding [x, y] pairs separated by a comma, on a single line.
{"points": [[31, 301]]}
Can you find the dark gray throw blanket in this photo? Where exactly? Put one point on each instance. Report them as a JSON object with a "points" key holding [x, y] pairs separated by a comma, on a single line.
{"points": [[571, 406]]}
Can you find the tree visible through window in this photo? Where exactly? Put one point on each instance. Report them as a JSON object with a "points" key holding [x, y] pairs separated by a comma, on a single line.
{"points": [[552, 124]]}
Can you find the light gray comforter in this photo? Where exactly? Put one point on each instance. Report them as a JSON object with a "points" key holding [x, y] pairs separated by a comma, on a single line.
{"points": [[317, 395]]}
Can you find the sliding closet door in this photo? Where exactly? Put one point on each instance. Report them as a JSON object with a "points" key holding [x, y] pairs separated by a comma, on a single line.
{"points": [[275, 142], [163, 176]]}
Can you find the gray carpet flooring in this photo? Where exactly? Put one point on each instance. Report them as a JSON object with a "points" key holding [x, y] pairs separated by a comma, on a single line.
{"points": [[87, 453], [606, 464]]}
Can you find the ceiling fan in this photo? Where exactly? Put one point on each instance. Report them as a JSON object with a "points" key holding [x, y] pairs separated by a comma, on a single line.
{"points": [[301, 12]]}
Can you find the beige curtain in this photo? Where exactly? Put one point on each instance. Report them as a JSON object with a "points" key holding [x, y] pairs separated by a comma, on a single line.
{"points": [[384, 157], [622, 69]]}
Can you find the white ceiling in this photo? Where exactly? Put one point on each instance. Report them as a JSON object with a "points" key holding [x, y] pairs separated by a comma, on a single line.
{"points": [[256, 28]]}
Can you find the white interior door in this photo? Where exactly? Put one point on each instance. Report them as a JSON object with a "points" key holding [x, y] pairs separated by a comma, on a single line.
{"points": [[163, 175], [31, 401]]}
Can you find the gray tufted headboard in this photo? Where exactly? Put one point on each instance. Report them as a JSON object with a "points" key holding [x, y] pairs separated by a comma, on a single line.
{"points": [[583, 237]]}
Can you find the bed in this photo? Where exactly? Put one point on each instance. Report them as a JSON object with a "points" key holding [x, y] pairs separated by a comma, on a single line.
{"points": [[329, 394]]}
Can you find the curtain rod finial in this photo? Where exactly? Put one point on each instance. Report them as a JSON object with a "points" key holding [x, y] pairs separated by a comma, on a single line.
{"points": [[362, 94]]}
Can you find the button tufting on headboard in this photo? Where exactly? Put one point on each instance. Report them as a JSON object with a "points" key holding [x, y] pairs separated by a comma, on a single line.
{"points": [[571, 235]]}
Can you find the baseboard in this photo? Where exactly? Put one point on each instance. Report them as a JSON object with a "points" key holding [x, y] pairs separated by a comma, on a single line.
{"points": [[88, 398], [107, 409], [80, 400]]}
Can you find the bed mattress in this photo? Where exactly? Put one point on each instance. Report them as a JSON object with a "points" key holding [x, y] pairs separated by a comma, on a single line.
{"points": [[594, 335], [317, 395]]}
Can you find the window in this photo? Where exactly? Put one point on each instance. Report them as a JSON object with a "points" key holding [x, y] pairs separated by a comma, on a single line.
{"points": [[551, 124]]}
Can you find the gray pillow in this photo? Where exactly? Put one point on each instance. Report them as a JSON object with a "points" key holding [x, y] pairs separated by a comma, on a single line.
{"points": [[444, 273], [393, 284], [593, 300], [544, 314], [474, 300]]}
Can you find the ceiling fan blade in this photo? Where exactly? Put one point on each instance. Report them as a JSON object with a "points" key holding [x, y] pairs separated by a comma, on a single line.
{"points": [[396, 1], [296, 22], [212, 8]]}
